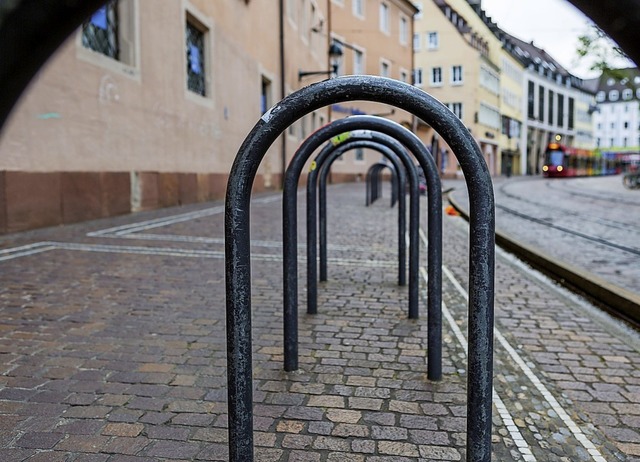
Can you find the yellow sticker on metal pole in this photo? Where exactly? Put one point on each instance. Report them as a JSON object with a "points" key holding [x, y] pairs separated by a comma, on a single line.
{"points": [[336, 140]]}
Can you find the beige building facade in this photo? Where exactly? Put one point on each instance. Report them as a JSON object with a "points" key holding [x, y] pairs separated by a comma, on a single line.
{"points": [[454, 63], [147, 104], [375, 39]]}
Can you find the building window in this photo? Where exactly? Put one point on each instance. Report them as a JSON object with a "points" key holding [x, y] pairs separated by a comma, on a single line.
{"points": [[417, 77], [626, 125], [404, 30], [540, 103], [456, 108], [385, 69], [570, 105], [489, 116], [416, 42], [531, 100], [404, 76], [456, 75], [627, 94], [265, 95], [358, 8], [614, 95], [195, 52], [100, 33], [433, 40], [384, 17], [436, 76], [358, 62], [359, 155], [560, 110], [550, 118]]}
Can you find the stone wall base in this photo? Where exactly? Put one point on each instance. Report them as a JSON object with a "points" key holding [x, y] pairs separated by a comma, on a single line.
{"points": [[30, 200]]}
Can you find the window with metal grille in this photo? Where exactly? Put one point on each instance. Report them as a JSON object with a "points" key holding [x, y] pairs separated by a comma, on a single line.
{"points": [[196, 81], [100, 32]]}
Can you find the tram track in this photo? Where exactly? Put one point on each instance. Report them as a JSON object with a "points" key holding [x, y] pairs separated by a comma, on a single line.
{"points": [[544, 222], [563, 211], [548, 236]]}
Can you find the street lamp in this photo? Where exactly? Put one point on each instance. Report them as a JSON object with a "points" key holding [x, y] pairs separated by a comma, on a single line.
{"points": [[335, 52]]}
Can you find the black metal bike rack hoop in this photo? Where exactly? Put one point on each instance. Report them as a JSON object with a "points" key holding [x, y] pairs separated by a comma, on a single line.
{"points": [[434, 230], [373, 182], [237, 246], [342, 129], [316, 215], [324, 167]]}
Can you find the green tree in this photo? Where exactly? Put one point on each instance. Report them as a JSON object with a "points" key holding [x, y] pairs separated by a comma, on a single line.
{"points": [[596, 46]]}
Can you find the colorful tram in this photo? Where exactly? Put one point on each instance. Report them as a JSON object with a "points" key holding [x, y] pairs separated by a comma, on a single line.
{"points": [[566, 161]]}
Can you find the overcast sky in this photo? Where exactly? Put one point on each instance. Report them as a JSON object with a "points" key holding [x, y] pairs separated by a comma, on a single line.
{"points": [[553, 25]]}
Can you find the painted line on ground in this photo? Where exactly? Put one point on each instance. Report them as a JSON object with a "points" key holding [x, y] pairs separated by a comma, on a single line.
{"points": [[25, 250], [180, 252], [537, 383], [220, 241], [507, 419]]}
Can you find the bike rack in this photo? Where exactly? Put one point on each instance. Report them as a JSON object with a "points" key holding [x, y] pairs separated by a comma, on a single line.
{"points": [[374, 180], [434, 237], [321, 166], [237, 245], [342, 127], [361, 141]]}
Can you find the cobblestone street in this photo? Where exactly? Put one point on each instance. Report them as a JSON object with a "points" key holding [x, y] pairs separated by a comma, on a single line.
{"points": [[112, 347]]}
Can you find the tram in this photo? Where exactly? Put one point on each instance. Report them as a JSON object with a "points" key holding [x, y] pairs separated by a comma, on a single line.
{"points": [[565, 161]]}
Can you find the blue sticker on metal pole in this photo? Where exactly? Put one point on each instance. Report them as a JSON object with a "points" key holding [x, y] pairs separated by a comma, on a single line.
{"points": [[99, 18], [194, 59]]}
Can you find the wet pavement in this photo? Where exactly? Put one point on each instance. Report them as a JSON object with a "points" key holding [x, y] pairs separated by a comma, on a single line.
{"points": [[112, 348]]}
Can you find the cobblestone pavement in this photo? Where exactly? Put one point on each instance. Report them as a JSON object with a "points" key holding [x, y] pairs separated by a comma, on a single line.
{"points": [[590, 223], [112, 348]]}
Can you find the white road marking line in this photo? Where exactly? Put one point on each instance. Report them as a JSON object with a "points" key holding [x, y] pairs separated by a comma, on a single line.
{"points": [[179, 252], [506, 417], [553, 402], [220, 241], [172, 219], [25, 250]]}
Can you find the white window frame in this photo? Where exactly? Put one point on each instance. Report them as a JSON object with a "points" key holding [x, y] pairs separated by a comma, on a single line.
{"points": [[358, 8], [404, 30], [197, 18], [454, 80], [385, 63], [384, 17], [436, 70], [417, 41], [404, 75], [128, 63], [433, 40], [418, 77], [358, 67]]}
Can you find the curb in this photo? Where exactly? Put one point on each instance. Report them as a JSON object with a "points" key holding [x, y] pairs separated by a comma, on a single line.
{"points": [[616, 300]]}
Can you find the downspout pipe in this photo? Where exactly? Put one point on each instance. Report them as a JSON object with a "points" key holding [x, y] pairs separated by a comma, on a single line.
{"points": [[283, 138]]}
